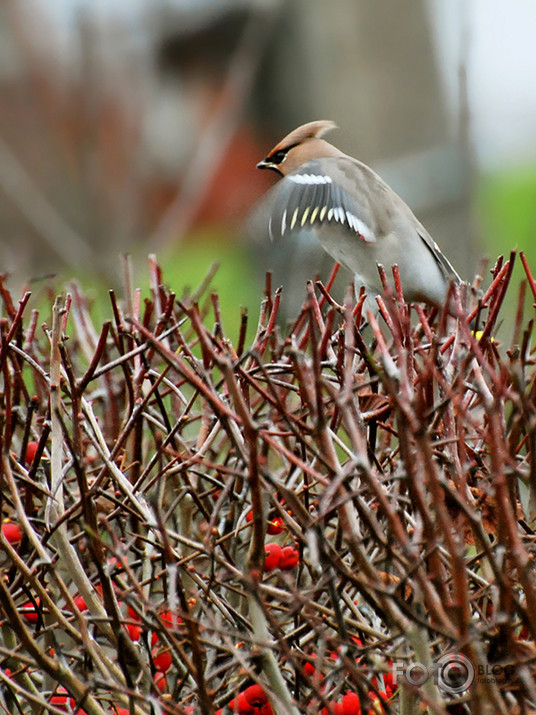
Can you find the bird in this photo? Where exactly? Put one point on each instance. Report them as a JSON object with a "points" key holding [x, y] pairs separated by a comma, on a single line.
{"points": [[356, 216]]}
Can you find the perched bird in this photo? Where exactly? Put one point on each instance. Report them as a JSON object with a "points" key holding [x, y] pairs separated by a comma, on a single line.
{"points": [[358, 219]]}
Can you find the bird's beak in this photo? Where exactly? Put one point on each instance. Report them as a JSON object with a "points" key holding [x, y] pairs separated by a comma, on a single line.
{"points": [[264, 164]]}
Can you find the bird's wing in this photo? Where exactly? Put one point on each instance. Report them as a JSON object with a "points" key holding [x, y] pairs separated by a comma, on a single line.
{"points": [[316, 194], [388, 212], [444, 264], [342, 190]]}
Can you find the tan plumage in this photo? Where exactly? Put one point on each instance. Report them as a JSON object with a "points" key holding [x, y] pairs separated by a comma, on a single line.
{"points": [[359, 220]]}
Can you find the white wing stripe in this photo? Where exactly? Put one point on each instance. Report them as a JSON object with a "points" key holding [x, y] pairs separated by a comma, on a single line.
{"points": [[319, 213], [310, 179], [360, 227], [284, 222]]}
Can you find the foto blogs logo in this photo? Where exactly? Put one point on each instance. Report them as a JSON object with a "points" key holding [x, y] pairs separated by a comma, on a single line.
{"points": [[453, 673]]}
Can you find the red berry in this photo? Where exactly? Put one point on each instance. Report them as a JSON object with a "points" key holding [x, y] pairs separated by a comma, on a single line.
{"points": [[132, 614], [241, 705], [29, 613], [389, 684], [389, 678], [290, 558], [134, 631], [350, 704], [377, 706], [31, 451], [332, 709], [168, 620], [309, 669], [162, 660], [275, 525], [161, 683], [256, 696], [61, 699], [80, 603], [265, 710], [273, 554], [249, 516], [12, 532]]}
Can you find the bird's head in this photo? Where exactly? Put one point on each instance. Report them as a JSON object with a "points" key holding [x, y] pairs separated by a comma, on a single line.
{"points": [[301, 145]]}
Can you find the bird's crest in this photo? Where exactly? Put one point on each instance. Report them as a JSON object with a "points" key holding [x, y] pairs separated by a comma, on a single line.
{"points": [[311, 130]]}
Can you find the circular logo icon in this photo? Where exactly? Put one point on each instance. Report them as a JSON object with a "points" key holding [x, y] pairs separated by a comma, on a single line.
{"points": [[416, 674], [455, 673]]}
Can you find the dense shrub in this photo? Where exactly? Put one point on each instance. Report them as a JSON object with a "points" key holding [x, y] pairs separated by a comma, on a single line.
{"points": [[201, 527]]}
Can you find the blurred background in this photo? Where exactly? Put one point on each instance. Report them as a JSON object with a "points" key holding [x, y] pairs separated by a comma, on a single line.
{"points": [[135, 125]]}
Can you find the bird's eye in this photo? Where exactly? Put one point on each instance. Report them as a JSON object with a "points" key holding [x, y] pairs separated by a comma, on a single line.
{"points": [[279, 156]]}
